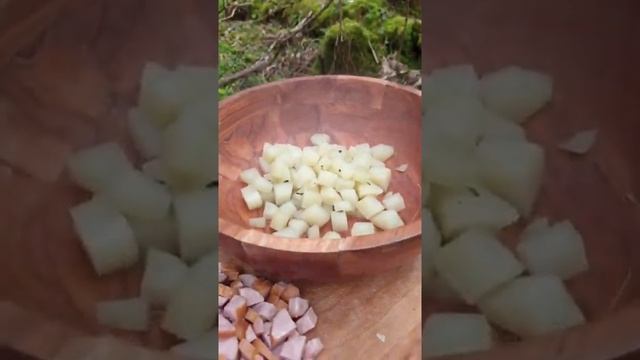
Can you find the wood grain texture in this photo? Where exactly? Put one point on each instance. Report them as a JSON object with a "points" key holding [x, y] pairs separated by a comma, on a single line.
{"points": [[69, 70], [351, 110], [591, 49]]}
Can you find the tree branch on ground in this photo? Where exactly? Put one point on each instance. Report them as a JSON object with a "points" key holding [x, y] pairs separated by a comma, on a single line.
{"points": [[276, 47]]}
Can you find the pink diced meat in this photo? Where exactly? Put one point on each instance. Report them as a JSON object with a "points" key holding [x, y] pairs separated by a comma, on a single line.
{"points": [[297, 307], [312, 348], [228, 347], [253, 297], [307, 322], [293, 348], [282, 326], [266, 310]]}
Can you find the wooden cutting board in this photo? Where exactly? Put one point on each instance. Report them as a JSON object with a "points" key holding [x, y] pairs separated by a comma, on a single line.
{"points": [[377, 317]]}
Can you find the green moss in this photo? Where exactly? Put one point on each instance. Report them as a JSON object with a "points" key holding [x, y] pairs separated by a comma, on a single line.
{"points": [[349, 53], [404, 36]]}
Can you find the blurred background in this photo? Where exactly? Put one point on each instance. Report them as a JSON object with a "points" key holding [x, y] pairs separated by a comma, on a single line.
{"points": [[266, 40]]}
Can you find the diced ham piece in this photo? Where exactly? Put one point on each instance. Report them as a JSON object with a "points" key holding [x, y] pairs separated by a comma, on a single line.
{"points": [[278, 350], [228, 348], [250, 335], [252, 296], [290, 292], [236, 308], [264, 350], [278, 289], [293, 348], [224, 290], [282, 326], [266, 310], [312, 348], [258, 326], [280, 304], [222, 277], [307, 322], [222, 300], [225, 328], [236, 284], [247, 350], [247, 279], [262, 286], [293, 334], [298, 306], [266, 334], [241, 328]]}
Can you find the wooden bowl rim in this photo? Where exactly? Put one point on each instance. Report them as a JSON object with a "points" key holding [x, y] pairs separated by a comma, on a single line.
{"points": [[259, 238]]}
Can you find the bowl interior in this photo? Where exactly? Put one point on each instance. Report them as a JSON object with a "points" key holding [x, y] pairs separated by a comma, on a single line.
{"points": [[593, 64], [352, 110]]}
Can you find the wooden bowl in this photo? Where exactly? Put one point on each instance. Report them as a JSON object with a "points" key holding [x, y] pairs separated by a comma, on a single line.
{"points": [[351, 110], [591, 51]]}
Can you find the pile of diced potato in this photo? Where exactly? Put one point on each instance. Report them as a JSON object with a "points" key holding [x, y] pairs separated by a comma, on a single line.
{"points": [[302, 189], [163, 212], [481, 175]]}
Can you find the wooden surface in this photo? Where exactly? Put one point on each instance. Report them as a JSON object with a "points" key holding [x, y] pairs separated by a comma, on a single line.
{"points": [[591, 49], [352, 110], [69, 70]]}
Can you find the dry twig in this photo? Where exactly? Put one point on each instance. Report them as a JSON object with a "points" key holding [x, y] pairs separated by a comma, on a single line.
{"points": [[275, 48]]}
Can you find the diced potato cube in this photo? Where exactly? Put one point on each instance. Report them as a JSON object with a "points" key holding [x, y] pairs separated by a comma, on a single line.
{"points": [[394, 202], [532, 306], [146, 136], [343, 205], [387, 220], [309, 198], [456, 121], [105, 236], [125, 314], [512, 170], [450, 82], [339, 221], [320, 138], [280, 171], [310, 155], [251, 197], [316, 215], [160, 234], [327, 178], [154, 169], [476, 263], [96, 167], [332, 235], [163, 275], [369, 207], [362, 228], [313, 232], [249, 175], [197, 229], [515, 93], [303, 175], [349, 195], [380, 176], [287, 232], [282, 192], [258, 222], [382, 152], [299, 226], [558, 250], [288, 208], [365, 190], [280, 219], [456, 333], [461, 211], [329, 195], [187, 145], [139, 196], [189, 313], [269, 210], [342, 184]]}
